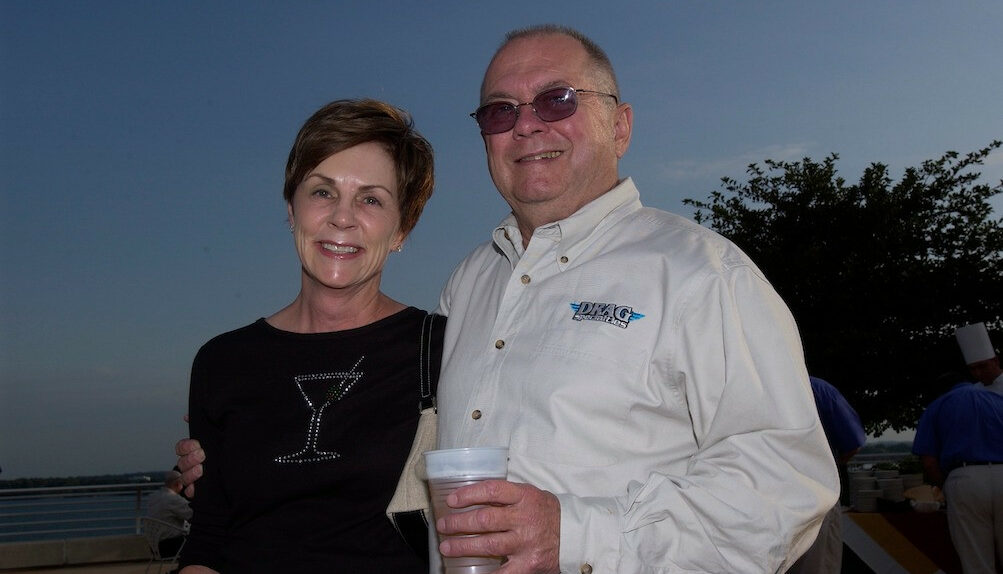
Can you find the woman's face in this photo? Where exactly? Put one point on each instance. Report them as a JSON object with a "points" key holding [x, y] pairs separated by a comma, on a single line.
{"points": [[346, 218]]}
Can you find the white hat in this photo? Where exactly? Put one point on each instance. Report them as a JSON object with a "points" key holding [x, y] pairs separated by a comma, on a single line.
{"points": [[974, 342]]}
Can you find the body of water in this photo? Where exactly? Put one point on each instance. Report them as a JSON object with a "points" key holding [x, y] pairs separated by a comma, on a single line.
{"points": [[55, 513]]}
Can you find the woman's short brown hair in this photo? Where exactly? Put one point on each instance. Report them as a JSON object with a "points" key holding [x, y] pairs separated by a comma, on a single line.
{"points": [[347, 123]]}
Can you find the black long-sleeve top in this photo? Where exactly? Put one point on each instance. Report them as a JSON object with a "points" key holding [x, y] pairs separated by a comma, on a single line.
{"points": [[305, 437]]}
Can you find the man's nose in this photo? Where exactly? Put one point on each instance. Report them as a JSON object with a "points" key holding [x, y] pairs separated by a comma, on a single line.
{"points": [[527, 121]]}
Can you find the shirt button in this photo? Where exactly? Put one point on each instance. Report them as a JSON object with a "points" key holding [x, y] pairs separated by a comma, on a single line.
{"points": [[476, 414], [586, 568], [564, 259], [525, 279], [499, 344]]}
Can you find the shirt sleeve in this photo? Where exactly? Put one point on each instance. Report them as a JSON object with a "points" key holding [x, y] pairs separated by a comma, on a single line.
{"points": [[926, 441], [446, 295], [754, 493], [180, 508], [840, 421], [210, 510]]}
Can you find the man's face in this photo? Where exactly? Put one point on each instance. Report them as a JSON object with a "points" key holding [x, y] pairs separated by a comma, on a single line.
{"points": [[548, 170], [986, 371]]}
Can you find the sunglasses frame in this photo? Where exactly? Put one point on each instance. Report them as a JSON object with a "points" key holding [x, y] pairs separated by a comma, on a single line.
{"points": [[573, 92]]}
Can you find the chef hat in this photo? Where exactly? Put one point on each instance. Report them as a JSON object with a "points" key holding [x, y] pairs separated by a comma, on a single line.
{"points": [[974, 342]]}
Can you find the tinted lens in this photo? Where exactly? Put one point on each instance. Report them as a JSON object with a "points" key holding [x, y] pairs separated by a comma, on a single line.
{"points": [[550, 106], [555, 104], [497, 117]]}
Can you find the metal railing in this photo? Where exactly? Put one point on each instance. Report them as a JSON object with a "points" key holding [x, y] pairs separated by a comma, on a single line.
{"points": [[72, 511]]}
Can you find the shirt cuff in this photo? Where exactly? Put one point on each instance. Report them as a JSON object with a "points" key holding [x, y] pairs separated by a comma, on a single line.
{"points": [[590, 534]]}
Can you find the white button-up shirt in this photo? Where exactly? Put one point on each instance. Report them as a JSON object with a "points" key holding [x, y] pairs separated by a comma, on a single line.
{"points": [[641, 368]]}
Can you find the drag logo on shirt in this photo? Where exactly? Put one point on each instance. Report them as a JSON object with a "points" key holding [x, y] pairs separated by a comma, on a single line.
{"points": [[611, 313]]}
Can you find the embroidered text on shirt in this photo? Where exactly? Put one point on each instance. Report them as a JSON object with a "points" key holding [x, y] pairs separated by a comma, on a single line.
{"points": [[611, 313]]}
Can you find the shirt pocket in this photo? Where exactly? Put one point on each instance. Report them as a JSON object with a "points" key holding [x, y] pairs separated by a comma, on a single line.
{"points": [[580, 386]]}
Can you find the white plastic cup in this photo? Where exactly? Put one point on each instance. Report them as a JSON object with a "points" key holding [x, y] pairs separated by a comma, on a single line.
{"points": [[450, 469]]}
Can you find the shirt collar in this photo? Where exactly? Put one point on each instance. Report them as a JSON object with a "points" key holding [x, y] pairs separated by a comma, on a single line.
{"points": [[624, 198]]}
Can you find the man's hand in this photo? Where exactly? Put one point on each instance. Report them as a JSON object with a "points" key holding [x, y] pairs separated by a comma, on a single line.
{"points": [[520, 522], [190, 459]]}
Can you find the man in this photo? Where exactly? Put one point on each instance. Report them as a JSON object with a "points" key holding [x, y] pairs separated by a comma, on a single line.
{"points": [[982, 360], [958, 436], [168, 505], [648, 381], [845, 434], [958, 442]]}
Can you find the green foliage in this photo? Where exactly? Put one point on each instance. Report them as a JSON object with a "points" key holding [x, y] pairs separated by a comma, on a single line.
{"points": [[878, 273], [886, 447]]}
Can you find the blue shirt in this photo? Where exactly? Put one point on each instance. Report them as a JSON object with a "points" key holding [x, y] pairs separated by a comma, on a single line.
{"points": [[841, 423], [963, 425]]}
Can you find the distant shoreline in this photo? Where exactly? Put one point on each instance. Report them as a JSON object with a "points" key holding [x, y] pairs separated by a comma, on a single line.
{"points": [[42, 482]]}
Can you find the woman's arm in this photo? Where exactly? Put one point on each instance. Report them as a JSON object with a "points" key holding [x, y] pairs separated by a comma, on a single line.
{"points": [[208, 533]]}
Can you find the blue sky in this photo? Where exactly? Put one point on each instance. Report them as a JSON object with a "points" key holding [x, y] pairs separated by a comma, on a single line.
{"points": [[142, 147]]}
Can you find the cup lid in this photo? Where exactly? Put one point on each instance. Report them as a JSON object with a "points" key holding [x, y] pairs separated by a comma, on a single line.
{"points": [[473, 462]]}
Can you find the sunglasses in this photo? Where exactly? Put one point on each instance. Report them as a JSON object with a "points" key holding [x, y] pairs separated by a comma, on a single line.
{"points": [[549, 105]]}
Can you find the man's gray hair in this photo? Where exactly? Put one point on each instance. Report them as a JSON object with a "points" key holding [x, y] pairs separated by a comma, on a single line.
{"points": [[600, 61], [172, 478]]}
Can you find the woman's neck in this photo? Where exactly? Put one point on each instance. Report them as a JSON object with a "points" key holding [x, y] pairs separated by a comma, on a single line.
{"points": [[327, 311]]}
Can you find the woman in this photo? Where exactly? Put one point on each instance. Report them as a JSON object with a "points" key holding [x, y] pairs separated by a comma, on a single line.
{"points": [[307, 416]]}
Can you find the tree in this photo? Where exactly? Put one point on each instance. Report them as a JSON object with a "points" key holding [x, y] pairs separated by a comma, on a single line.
{"points": [[877, 274]]}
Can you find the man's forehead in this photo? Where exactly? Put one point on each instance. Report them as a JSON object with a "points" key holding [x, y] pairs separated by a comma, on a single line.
{"points": [[532, 88], [535, 64], [985, 363]]}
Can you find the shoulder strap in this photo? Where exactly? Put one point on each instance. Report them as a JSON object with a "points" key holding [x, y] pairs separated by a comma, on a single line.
{"points": [[426, 399]]}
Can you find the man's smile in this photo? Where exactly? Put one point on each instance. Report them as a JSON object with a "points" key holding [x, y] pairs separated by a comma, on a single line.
{"points": [[539, 156]]}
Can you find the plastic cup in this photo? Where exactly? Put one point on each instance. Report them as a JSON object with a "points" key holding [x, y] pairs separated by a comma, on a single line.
{"points": [[450, 469]]}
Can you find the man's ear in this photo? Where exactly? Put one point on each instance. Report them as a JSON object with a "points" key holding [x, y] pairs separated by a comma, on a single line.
{"points": [[623, 128]]}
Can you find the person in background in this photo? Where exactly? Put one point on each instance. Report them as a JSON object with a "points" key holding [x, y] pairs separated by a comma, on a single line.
{"points": [[648, 381], [958, 442], [307, 416], [168, 505], [845, 434], [983, 361]]}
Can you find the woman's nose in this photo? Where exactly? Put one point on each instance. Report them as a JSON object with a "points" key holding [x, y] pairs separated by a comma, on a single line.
{"points": [[342, 215]]}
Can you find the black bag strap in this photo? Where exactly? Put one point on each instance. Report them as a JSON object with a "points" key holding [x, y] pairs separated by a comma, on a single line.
{"points": [[413, 528], [426, 398], [413, 525]]}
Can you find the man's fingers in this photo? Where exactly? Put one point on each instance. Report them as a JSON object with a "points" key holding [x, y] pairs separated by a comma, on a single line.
{"points": [[478, 520], [190, 459], [191, 468], [186, 446], [517, 520], [189, 476], [191, 462], [494, 544], [494, 492]]}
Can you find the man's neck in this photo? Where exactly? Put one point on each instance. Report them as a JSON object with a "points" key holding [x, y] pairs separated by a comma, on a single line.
{"points": [[530, 217]]}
